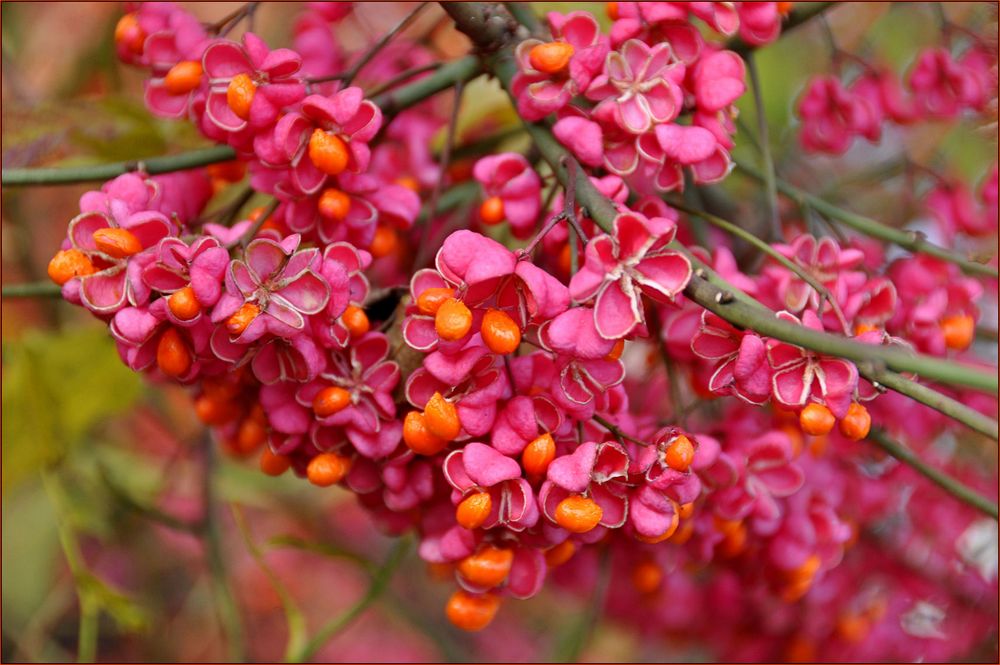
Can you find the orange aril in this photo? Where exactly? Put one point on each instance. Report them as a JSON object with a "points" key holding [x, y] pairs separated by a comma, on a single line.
{"points": [[183, 77], [616, 350], [471, 612], [499, 332], [327, 469], [356, 321], [578, 514], [488, 567], [214, 409], [491, 210], [240, 94], [418, 438], [172, 355], [538, 454], [857, 423], [384, 243], [117, 243], [452, 320], [430, 300], [331, 400], [183, 304], [242, 318], [328, 152], [679, 454], [646, 576], [441, 418], [69, 263], [551, 57], [273, 465], [250, 436], [334, 204], [473, 510], [959, 331], [128, 32], [816, 419], [559, 554]]}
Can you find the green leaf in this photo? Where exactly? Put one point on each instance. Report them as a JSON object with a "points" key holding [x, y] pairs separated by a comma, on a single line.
{"points": [[57, 388]]}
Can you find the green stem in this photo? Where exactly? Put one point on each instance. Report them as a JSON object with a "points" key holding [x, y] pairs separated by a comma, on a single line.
{"points": [[913, 242], [950, 485], [764, 322], [952, 408], [152, 166], [391, 102], [32, 290], [375, 590]]}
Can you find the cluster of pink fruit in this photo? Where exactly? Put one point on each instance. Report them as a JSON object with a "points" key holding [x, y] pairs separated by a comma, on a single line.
{"points": [[511, 407]]}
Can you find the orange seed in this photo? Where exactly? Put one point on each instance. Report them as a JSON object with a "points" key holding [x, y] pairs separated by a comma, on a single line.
{"points": [[356, 321], [242, 318], [471, 612], [117, 243], [430, 300], [452, 320], [680, 453], [488, 567], [538, 455], [273, 465], [646, 576], [473, 510], [334, 204], [816, 419], [959, 331], [172, 355], [240, 94], [183, 77], [183, 304], [418, 438], [327, 469], [857, 423], [328, 152], [331, 400], [551, 58], [500, 333], [578, 514], [491, 211], [67, 264], [441, 418]]}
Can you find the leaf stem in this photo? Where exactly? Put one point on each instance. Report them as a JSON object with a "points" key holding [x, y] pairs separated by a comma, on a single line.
{"points": [[379, 582]]}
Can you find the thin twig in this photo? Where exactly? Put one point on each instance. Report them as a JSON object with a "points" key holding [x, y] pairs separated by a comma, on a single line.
{"points": [[950, 485], [764, 247], [248, 236], [767, 162], [912, 241], [449, 144], [349, 76], [31, 290], [656, 331], [617, 431], [375, 590], [404, 76]]}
